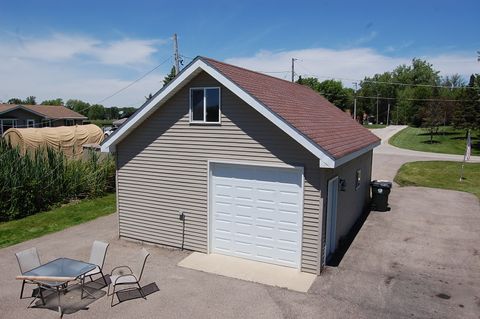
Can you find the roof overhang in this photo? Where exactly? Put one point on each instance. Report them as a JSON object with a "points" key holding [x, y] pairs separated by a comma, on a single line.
{"points": [[21, 107], [193, 69]]}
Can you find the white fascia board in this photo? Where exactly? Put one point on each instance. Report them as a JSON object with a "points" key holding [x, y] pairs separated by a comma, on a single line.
{"points": [[148, 109], [270, 115], [325, 159], [351, 156]]}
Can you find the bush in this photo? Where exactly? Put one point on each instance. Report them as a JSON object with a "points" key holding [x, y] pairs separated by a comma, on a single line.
{"points": [[44, 178]]}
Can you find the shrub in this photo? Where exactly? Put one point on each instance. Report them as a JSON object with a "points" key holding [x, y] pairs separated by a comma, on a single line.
{"points": [[46, 177]]}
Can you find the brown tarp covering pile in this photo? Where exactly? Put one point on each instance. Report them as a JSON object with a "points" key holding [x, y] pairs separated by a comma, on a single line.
{"points": [[68, 139]]}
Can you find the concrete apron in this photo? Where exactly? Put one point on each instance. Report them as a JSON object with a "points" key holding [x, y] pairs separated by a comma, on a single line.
{"points": [[249, 270]]}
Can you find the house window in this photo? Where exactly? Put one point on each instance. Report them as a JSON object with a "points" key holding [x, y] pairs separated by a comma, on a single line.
{"points": [[205, 105], [30, 123], [358, 179], [46, 123], [5, 124], [69, 122]]}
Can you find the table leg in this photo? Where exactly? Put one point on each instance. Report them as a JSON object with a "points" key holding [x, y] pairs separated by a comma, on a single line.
{"points": [[59, 305]]}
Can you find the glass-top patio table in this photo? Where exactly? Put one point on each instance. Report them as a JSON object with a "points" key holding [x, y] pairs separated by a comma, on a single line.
{"points": [[57, 273]]}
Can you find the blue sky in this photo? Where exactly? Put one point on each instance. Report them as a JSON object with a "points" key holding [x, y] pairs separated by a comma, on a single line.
{"points": [[90, 49]]}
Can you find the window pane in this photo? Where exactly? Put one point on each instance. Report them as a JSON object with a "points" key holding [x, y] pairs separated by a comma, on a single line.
{"points": [[213, 105], [197, 105]]}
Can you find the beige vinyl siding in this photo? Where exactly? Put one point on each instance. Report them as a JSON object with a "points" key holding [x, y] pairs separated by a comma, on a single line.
{"points": [[352, 203], [163, 169]]}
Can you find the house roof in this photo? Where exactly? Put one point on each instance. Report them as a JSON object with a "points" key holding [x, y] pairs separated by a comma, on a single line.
{"points": [[309, 112], [47, 111], [302, 113]]}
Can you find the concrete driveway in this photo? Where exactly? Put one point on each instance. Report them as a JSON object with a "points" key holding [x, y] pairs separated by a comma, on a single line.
{"points": [[420, 260]]}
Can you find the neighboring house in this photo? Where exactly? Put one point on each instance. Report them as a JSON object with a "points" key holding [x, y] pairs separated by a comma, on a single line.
{"points": [[262, 168], [14, 115]]}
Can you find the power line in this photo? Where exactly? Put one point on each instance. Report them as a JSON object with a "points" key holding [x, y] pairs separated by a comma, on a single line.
{"points": [[389, 83], [133, 82], [111, 95]]}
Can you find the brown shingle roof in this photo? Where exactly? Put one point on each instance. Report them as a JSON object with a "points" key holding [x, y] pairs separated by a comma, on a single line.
{"points": [[310, 113], [48, 111]]}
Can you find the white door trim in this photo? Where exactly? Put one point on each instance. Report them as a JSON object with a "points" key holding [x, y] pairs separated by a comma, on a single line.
{"points": [[211, 163], [332, 201]]}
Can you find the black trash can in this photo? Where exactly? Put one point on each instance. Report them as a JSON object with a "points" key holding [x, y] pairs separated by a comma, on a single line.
{"points": [[380, 192]]}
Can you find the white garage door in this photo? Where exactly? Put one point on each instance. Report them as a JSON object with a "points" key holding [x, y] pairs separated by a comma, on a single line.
{"points": [[257, 213]]}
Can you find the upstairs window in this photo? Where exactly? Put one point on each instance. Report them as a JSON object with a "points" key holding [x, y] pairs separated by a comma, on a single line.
{"points": [[205, 105]]}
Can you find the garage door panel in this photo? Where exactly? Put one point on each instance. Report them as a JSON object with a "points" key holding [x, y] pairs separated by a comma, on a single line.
{"points": [[257, 213]]}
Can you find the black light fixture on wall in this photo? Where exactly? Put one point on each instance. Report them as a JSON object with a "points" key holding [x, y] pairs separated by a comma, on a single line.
{"points": [[342, 185]]}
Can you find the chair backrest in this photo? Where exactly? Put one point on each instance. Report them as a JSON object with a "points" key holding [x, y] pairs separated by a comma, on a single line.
{"points": [[143, 255], [98, 253], [28, 259]]}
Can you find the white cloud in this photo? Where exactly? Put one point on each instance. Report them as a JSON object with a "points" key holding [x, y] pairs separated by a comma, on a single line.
{"points": [[81, 67], [348, 64], [125, 51], [61, 46]]}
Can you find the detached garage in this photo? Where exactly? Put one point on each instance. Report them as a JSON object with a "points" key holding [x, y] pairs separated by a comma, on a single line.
{"points": [[261, 168]]}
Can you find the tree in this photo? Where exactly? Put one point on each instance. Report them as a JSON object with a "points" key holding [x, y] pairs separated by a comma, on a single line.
{"points": [[111, 113], [57, 101], [467, 113], [30, 100], [432, 118], [78, 106], [169, 77], [15, 100], [96, 112], [332, 90]]}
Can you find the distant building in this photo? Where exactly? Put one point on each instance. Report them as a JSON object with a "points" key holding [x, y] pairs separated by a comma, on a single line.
{"points": [[21, 116]]}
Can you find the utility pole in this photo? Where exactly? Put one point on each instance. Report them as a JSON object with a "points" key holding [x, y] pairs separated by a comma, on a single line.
{"points": [[355, 103], [293, 69], [377, 109], [388, 113], [175, 54]]}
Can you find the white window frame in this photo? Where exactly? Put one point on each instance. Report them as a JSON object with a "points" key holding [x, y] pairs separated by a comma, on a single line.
{"points": [[30, 123], [14, 124], [204, 122]]}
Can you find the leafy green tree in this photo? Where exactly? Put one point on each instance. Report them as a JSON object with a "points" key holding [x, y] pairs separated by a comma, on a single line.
{"points": [[467, 113], [57, 102], [432, 117], [30, 100], [78, 106], [96, 112], [169, 77], [15, 100], [111, 113], [393, 88], [332, 90]]}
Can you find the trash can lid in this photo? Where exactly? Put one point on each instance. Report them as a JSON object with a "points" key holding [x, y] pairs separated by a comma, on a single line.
{"points": [[382, 183]]}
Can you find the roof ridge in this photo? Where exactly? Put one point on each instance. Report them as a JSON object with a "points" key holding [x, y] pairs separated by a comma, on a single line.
{"points": [[257, 72]]}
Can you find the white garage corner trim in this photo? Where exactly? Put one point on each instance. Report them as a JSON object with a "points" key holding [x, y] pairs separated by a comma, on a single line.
{"points": [[242, 225]]}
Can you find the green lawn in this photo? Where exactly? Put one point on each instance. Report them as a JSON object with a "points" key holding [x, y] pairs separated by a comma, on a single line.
{"points": [[440, 174], [448, 141], [372, 126], [40, 224]]}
